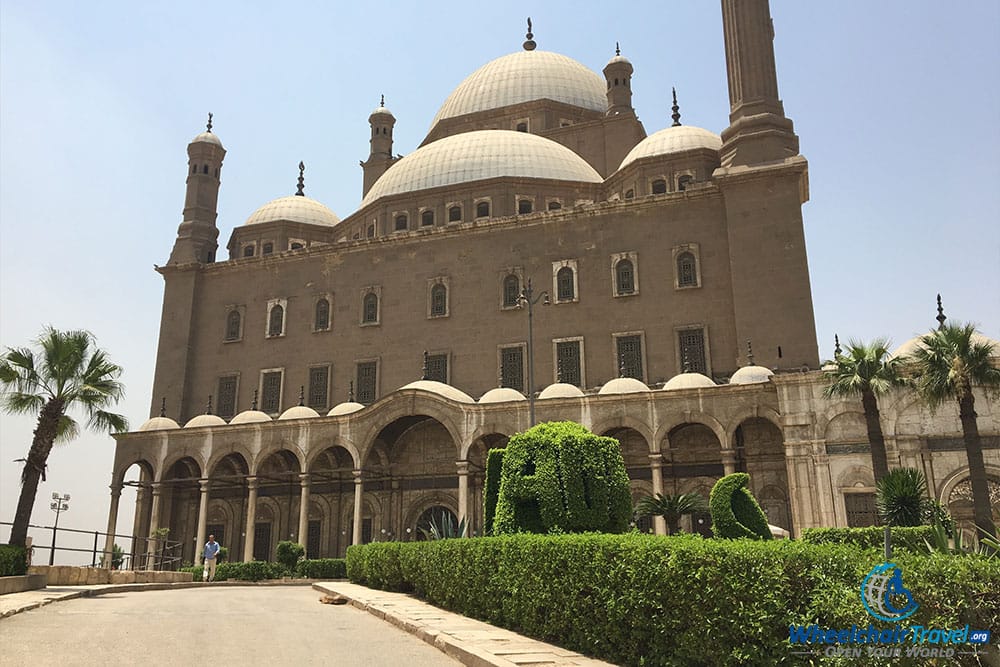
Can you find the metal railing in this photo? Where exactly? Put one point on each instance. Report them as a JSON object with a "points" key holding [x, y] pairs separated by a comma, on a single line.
{"points": [[147, 553]]}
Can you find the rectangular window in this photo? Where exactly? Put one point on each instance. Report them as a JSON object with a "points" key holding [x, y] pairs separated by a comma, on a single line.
{"points": [[366, 382], [226, 396], [860, 510], [512, 367], [691, 343], [270, 392], [319, 387], [437, 367], [568, 362], [366, 530], [630, 356], [312, 540], [262, 540]]}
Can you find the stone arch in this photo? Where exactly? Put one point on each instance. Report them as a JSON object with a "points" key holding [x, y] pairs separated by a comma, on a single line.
{"points": [[146, 471], [760, 451], [692, 418], [340, 443], [757, 411], [193, 463], [491, 430], [231, 452], [476, 450], [273, 448], [634, 446], [393, 408], [371, 509], [846, 426], [956, 495], [426, 501], [418, 444], [960, 475], [856, 477], [604, 426]]}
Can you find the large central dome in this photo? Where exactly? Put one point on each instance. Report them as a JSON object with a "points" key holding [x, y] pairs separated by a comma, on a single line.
{"points": [[523, 77], [479, 155]]}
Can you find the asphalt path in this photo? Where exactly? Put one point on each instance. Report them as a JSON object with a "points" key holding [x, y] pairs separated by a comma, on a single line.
{"points": [[237, 625]]}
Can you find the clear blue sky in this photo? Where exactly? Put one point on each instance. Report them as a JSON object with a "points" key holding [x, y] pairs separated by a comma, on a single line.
{"points": [[896, 104]]}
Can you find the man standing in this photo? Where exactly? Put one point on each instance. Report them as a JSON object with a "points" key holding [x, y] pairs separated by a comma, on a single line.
{"points": [[209, 554]]}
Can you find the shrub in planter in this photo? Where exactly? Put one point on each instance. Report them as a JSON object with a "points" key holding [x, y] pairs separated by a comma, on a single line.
{"points": [[13, 561], [289, 553], [735, 512]]}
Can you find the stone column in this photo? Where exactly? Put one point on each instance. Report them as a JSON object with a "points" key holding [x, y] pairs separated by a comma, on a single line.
{"points": [[109, 544], [359, 491], [304, 509], [728, 461], [204, 484], [656, 467], [154, 524], [251, 519], [463, 494], [140, 525]]}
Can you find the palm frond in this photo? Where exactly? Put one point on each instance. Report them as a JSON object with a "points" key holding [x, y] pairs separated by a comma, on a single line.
{"points": [[949, 359], [107, 422], [18, 403], [864, 367], [17, 371], [67, 429]]}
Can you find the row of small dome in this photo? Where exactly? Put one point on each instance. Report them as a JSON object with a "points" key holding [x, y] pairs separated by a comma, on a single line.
{"points": [[622, 385]]}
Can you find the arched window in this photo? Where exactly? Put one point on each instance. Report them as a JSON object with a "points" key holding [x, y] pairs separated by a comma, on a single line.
{"points": [[276, 321], [194, 169], [555, 206], [564, 284], [686, 274], [248, 251], [629, 194], [624, 277], [233, 322], [204, 169], [522, 127], [455, 214], [295, 245], [659, 186], [483, 209], [401, 222], [439, 300], [267, 249], [427, 218], [370, 232], [511, 290], [322, 321], [369, 313], [524, 206], [683, 181]]}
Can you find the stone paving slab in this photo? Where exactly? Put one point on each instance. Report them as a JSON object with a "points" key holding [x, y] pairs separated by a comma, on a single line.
{"points": [[469, 641]]}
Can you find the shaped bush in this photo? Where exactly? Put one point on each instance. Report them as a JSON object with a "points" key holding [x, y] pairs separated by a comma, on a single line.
{"points": [[494, 463], [735, 512], [559, 476], [289, 553]]}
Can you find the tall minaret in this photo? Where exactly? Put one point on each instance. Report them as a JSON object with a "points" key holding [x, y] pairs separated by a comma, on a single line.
{"points": [[380, 158], [197, 236], [758, 131], [618, 74]]}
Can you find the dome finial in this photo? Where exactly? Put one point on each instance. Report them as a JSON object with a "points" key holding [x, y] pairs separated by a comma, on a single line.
{"points": [[750, 354], [676, 115], [382, 101], [836, 346], [940, 316], [208, 126], [621, 367], [301, 192], [253, 404], [423, 370], [529, 44], [618, 50], [350, 392], [208, 408], [163, 407], [302, 395], [685, 363], [559, 374]]}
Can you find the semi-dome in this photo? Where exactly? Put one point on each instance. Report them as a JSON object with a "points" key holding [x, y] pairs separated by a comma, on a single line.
{"points": [[159, 424], [205, 420], [298, 412], [250, 417], [560, 390], [688, 381], [910, 346], [751, 375], [479, 155], [345, 408], [441, 389], [676, 139], [526, 76], [295, 208], [502, 395], [623, 386]]}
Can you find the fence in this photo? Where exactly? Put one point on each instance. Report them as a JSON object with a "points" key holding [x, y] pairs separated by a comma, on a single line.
{"points": [[146, 553]]}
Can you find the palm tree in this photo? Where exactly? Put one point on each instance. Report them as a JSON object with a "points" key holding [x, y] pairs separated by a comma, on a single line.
{"points": [[949, 363], [869, 372], [902, 498], [671, 508], [68, 372]]}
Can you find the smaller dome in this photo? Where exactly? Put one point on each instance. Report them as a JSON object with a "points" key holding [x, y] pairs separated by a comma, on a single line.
{"points": [[502, 395], [298, 412], [441, 389], [207, 138], [345, 408], [159, 424], [294, 209], [674, 139], [381, 111], [623, 386], [250, 417], [751, 375], [205, 420], [910, 346], [560, 390], [619, 59], [688, 381]]}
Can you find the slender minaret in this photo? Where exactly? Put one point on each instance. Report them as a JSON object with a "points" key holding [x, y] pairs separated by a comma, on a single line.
{"points": [[758, 131], [197, 236], [618, 74], [380, 158]]}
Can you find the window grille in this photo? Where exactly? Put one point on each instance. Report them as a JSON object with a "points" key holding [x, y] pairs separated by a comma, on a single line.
{"points": [[248, 251], [860, 510], [483, 209], [524, 206], [233, 322], [659, 186], [439, 300], [401, 223], [512, 368], [312, 539], [692, 347], [564, 284], [262, 540], [455, 214], [226, 405], [366, 382], [267, 249], [630, 356], [276, 321], [511, 290], [319, 386], [270, 401], [427, 218], [322, 315], [568, 362], [370, 313], [686, 275], [625, 277], [437, 368]]}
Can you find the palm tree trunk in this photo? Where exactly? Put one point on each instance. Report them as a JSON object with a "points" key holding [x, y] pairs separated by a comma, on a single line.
{"points": [[880, 462], [41, 445], [983, 510]]}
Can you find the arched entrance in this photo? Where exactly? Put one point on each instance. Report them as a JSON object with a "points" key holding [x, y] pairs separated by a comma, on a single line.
{"points": [[279, 491], [760, 451], [692, 457], [962, 509], [332, 491], [180, 498], [227, 505]]}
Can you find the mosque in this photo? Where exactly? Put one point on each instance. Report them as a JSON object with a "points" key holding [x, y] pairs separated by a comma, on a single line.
{"points": [[538, 257]]}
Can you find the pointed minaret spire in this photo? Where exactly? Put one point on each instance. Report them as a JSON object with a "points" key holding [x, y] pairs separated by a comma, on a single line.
{"points": [[423, 372], [208, 126], [350, 392], [208, 408], [529, 43], [163, 407], [676, 115], [618, 49], [301, 192], [749, 353], [836, 346], [382, 101], [940, 316], [253, 404], [302, 395]]}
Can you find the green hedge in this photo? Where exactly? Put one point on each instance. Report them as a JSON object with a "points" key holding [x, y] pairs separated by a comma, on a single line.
{"points": [[873, 537], [318, 568], [494, 464], [13, 561], [735, 512], [322, 568], [650, 600]]}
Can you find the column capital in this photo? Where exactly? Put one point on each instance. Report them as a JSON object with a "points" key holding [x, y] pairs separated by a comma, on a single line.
{"points": [[116, 489], [728, 455], [357, 475], [252, 481], [156, 488], [656, 460], [463, 467], [304, 478], [204, 485]]}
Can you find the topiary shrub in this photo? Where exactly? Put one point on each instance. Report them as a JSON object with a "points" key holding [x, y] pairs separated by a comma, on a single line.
{"points": [[559, 476], [494, 464], [289, 553], [735, 512], [322, 568], [13, 561]]}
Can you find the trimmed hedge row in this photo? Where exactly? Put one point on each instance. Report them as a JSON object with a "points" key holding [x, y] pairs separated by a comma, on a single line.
{"points": [[13, 561], [650, 600], [873, 537], [494, 464], [319, 568], [322, 568]]}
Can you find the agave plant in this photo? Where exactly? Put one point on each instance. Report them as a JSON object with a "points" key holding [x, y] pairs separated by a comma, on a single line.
{"points": [[444, 529], [901, 498], [941, 544], [671, 508]]}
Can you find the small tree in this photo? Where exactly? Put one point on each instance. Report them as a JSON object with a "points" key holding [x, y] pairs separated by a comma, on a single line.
{"points": [[289, 553], [671, 508], [901, 498]]}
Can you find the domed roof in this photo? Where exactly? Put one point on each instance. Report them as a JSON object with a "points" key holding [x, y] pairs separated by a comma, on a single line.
{"points": [[250, 417], [910, 346], [751, 375], [207, 138], [688, 381], [298, 412], [676, 139], [623, 386], [560, 390], [381, 110], [205, 420], [294, 209], [345, 408], [159, 424], [441, 389], [475, 156], [502, 395], [523, 77]]}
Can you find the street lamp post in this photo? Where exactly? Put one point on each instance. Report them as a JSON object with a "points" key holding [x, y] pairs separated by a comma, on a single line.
{"points": [[60, 503], [528, 299]]}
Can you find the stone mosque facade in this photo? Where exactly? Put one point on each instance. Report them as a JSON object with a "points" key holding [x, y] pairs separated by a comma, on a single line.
{"points": [[539, 255]]}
